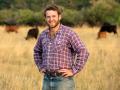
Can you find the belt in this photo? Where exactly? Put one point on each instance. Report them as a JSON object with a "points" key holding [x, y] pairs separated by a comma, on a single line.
{"points": [[53, 73]]}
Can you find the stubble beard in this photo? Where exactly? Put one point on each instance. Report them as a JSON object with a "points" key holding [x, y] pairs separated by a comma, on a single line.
{"points": [[56, 24]]}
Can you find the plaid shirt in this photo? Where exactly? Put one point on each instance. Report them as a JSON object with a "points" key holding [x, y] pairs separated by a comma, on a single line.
{"points": [[66, 51]]}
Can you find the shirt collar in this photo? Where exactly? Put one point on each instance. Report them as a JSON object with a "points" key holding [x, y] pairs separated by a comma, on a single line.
{"points": [[59, 32]]}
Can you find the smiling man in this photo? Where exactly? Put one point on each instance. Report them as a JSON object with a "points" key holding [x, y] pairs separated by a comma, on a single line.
{"points": [[59, 53]]}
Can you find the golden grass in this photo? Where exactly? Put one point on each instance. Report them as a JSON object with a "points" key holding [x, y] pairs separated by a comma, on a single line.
{"points": [[19, 72]]}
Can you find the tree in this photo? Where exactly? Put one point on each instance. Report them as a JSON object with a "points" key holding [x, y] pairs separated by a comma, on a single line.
{"points": [[5, 4]]}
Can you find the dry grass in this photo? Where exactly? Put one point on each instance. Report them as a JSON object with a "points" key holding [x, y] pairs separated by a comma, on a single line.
{"points": [[18, 71]]}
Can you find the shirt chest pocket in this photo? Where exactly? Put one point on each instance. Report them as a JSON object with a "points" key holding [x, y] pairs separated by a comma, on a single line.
{"points": [[49, 47], [60, 46]]}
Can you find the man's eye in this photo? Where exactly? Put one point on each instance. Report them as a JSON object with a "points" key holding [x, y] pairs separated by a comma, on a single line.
{"points": [[47, 17]]}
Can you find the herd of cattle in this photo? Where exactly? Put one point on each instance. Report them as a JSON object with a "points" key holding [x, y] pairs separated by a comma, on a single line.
{"points": [[33, 32]]}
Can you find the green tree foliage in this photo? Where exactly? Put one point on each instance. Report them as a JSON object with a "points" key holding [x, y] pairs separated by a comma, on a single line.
{"points": [[70, 17], [5, 4], [6, 18], [75, 11]]}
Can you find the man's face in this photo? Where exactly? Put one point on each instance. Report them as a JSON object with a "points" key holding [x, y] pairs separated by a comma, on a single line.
{"points": [[52, 18]]}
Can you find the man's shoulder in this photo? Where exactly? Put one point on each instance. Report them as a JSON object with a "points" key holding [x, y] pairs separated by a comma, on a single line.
{"points": [[68, 30], [66, 27], [43, 33]]}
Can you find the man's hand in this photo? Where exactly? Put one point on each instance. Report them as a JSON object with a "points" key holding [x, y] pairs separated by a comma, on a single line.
{"points": [[42, 70], [66, 72]]}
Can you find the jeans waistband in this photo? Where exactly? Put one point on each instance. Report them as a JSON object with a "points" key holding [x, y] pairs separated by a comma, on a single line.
{"points": [[53, 73]]}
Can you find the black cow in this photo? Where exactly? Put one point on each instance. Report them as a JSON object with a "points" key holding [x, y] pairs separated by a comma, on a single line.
{"points": [[32, 33], [107, 27]]}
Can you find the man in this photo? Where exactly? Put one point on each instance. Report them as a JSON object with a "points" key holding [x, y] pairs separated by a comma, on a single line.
{"points": [[58, 53]]}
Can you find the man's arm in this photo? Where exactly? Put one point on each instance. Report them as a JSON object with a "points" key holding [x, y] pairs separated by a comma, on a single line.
{"points": [[81, 52], [38, 54]]}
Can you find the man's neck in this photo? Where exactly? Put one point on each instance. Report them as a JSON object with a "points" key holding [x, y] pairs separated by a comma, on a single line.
{"points": [[55, 29]]}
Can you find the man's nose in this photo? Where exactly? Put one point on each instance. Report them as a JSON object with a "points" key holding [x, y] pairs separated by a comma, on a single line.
{"points": [[51, 18]]}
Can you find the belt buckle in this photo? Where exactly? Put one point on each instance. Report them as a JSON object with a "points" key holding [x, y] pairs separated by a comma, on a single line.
{"points": [[53, 73], [57, 74]]}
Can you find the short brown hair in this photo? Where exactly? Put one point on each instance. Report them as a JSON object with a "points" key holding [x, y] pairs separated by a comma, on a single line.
{"points": [[54, 8]]}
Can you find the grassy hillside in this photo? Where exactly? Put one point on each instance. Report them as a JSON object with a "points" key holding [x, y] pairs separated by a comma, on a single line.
{"points": [[19, 72]]}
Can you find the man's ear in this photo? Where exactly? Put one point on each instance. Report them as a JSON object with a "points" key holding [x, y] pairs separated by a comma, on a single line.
{"points": [[60, 17]]}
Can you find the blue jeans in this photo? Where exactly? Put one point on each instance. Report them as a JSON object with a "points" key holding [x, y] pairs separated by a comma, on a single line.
{"points": [[58, 83]]}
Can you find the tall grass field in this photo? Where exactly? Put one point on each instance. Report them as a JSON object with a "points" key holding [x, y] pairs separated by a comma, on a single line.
{"points": [[19, 72]]}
